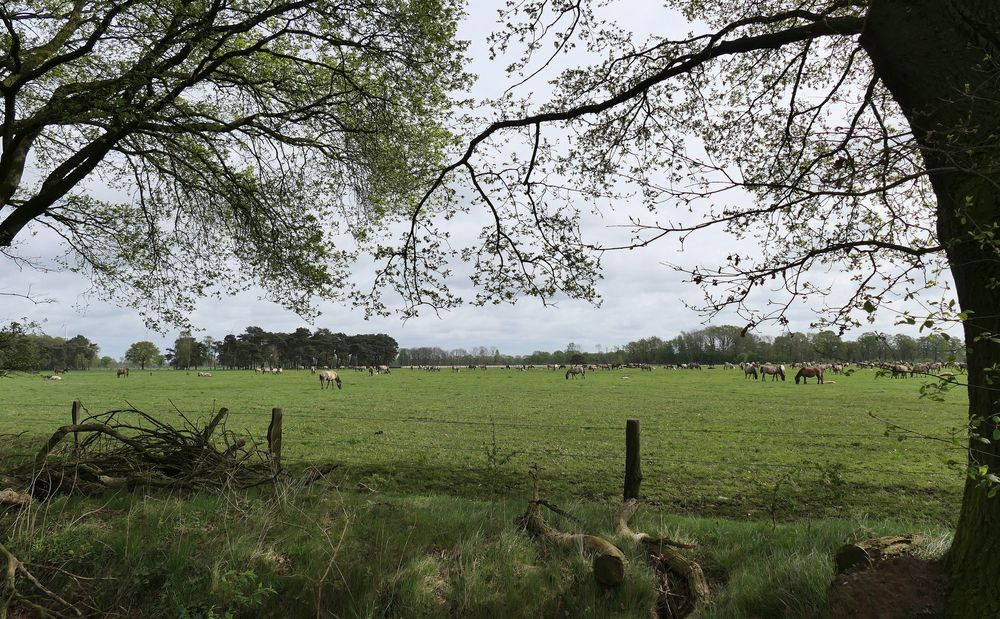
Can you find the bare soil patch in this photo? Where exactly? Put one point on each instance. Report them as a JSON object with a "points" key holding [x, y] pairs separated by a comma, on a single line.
{"points": [[897, 588]]}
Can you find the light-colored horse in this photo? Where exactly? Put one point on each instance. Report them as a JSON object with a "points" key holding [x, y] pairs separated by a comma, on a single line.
{"points": [[122, 372], [573, 371], [327, 377], [750, 370], [774, 370]]}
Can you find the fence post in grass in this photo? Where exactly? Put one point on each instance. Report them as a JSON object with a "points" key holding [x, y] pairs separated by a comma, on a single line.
{"points": [[75, 415], [274, 438], [633, 471]]}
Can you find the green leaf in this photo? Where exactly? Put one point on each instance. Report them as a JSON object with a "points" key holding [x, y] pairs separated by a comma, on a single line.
{"points": [[869, 307]]}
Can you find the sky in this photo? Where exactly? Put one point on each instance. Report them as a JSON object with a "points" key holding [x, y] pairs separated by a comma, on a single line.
{"points": [[641, 296]]}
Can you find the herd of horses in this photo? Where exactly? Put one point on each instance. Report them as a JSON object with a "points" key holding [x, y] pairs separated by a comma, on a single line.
{"points": [[754, 371]]}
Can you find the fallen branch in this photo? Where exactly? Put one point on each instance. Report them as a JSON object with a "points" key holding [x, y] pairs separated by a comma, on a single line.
{"points": [[9, 588], [12, 497], [666, 560], [147, 453], [608, 561]]}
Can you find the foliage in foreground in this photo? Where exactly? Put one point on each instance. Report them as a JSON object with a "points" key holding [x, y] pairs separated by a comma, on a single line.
{"points": [[296, 552]]}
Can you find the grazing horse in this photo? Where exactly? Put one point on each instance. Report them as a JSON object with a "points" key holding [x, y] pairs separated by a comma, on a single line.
{"points": [[774, 370], [576, 370], [327, 377], [750, 370], [382, 369], [809, 372], [122, 372]]}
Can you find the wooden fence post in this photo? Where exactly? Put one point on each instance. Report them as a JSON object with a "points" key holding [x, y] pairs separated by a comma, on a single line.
{"points": [[75, 415], [274, 437], [633, 471]]}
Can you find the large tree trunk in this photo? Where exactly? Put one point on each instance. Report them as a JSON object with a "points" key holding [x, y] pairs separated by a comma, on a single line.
{"points": [[939, 59]]}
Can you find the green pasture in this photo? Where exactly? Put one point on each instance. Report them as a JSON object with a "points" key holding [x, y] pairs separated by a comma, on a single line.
{"points": [[713, 443]]}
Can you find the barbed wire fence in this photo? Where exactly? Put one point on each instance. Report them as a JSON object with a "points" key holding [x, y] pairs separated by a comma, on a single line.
{"points": [[579, 456]]}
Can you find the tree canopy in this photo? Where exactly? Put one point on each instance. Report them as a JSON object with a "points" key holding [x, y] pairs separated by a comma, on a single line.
{"points": [[144, 353], [860, 135], [182, 148]]}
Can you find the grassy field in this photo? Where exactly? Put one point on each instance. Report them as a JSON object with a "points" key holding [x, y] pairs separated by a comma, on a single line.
{"points": [[712, 443]]}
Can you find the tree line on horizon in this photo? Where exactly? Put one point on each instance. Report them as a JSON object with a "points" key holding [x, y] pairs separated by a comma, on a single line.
{"points": [[715, 345], [23, 350], [255, 347]]}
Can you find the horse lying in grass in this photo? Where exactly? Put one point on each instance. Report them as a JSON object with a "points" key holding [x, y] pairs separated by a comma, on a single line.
{"points": [[327, 377]]}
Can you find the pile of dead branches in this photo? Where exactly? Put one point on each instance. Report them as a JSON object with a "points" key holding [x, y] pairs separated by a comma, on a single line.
{"points": [[128, 448]]}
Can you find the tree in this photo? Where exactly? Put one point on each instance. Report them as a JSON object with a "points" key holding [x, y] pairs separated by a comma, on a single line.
{"points": [[857, 133], [183, 353], [18, 351], [143, 353], [80, 352], [245, 131], [906, 347], [828, 346]]}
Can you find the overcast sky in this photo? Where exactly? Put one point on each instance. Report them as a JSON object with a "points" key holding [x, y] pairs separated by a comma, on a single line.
{"points": [[641, 296]]}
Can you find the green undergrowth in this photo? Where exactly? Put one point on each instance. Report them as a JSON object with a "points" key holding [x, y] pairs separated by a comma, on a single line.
{"points": [[319, 551]]}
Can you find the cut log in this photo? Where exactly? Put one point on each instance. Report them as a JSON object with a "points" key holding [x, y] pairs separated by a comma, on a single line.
{"points": [[869, 552]]}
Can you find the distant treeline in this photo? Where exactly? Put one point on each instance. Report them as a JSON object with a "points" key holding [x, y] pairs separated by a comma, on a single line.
{"points": [[713, 345], [256, 347], [23, 351]]}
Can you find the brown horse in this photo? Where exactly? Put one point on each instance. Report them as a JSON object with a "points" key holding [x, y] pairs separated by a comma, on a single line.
{"points": [[122, 372], [774, 370], [809, 372], [327, 377], [573, 371]]}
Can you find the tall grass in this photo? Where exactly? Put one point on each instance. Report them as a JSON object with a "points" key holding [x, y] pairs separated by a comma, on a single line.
{"points": [[323, 552]]}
